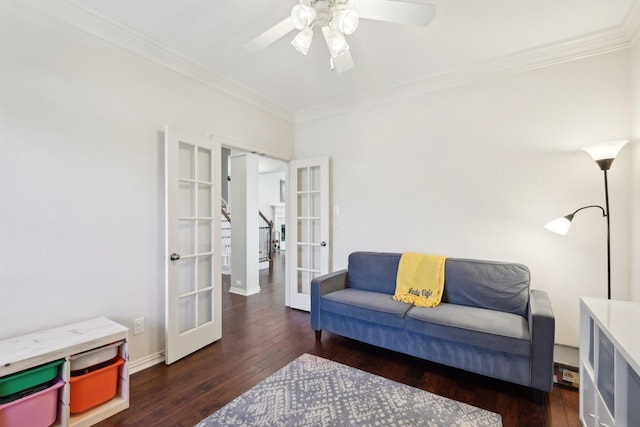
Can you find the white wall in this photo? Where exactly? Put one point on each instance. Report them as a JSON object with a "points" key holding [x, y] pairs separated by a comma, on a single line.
{"points": [[269, 192], [477, 171], [634, 73], [81, 167]]}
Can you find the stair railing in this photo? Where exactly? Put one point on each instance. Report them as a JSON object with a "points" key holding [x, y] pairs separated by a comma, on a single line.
{"points": [[225, 236], [265, 233], [266, 243]]}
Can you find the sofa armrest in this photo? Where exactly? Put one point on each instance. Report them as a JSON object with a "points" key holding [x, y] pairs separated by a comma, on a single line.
{"points": [[542, 332], [323, 285]]}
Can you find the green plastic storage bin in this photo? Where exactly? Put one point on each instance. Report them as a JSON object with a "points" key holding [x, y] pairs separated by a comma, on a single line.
{"points": [[23, 380]]}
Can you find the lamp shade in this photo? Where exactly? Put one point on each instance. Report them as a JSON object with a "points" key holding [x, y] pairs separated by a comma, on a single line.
{"points": [[605, 150], [560, 225], [346, 20], [303, 40], [302, 16], [337, 43]]}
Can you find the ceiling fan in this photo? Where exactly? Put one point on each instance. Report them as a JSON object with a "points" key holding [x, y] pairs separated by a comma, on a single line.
{"points": [[337, 19]]}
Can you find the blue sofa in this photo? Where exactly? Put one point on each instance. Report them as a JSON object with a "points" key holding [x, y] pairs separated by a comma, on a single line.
{"points": [[489, 321]]}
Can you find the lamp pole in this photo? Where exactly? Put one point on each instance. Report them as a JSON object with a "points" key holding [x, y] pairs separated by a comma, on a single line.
{"points": [[604, 154], [606, 202], [605, 164]]}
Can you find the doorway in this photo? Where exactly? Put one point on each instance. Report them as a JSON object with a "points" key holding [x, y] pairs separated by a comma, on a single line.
{"points": [[268, 198]]}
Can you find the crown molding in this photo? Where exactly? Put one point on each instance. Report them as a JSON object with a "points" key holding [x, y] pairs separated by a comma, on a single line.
{"points": [[631, 23], [121, 36], [544, 56], [617, 38]]}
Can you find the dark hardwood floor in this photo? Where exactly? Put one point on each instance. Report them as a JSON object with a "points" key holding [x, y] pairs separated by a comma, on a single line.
{"points": [[261, 335]]}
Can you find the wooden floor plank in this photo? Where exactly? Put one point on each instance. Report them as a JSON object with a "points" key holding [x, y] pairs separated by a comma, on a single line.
{"points": [[261, 335]]}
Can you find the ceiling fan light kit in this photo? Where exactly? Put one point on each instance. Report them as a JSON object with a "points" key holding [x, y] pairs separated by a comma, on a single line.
{"points": [[337, 19], [302, 16], [302, 42], [346, 20], [336, 42]]}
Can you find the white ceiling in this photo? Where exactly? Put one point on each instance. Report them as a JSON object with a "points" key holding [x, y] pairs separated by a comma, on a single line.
{"points": [[465, 34]]}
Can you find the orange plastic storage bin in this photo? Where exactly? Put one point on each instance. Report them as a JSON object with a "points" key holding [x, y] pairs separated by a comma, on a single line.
{"points": [[94, 388], [35, 410]]}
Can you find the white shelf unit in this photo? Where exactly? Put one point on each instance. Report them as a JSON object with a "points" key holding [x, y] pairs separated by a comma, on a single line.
{"points": [[27, 351], [609, 363]]}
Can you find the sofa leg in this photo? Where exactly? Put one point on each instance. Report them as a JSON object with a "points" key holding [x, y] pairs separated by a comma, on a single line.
{"points": [[318, 334], [538, 396]]}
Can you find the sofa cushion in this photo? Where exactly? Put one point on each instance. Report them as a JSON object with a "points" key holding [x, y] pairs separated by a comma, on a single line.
{"points": [[479, 327], [486, 284], [373, 307], [373, 271]]}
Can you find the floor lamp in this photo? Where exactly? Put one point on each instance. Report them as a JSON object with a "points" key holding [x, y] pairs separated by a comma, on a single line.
{"points": [[604, 154]]}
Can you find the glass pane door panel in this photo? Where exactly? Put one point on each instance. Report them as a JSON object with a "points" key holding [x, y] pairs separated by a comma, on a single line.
{"points": [[303, 282], [187, 233], [187, 275], [205, 311], [204, 201], [314, 204], [303, 256], [314, 231], [187, 199], [204, 165], [186, 167], [205, 266], [204, 236], [315, 257], [314, 178], [187, 313], [303, 205], [303, 179], [303, 230]]}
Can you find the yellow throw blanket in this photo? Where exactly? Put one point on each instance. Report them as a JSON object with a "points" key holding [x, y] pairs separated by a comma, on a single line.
{"points": [[420, 279]]}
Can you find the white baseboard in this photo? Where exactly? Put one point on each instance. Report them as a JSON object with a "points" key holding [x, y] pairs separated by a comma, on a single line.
{"points": [[146, 362], [243, 292], [566, 355]]}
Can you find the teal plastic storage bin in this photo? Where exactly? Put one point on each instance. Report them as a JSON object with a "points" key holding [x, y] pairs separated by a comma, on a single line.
{"points": [[23, 380]]}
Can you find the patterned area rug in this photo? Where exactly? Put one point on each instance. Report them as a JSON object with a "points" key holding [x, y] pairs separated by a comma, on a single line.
{"points": [[311, 391]]}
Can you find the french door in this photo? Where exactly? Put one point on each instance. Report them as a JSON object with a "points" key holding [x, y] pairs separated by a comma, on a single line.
{"points": [[192, 221], [308, 245]]}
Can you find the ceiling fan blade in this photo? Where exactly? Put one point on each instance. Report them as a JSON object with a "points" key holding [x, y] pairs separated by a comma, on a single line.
{"points": [[270, 36], [343, 62], [397, 11]]}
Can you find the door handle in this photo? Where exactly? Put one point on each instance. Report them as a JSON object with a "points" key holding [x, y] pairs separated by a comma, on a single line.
{"points": [[323, 244], [174, 257]]}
